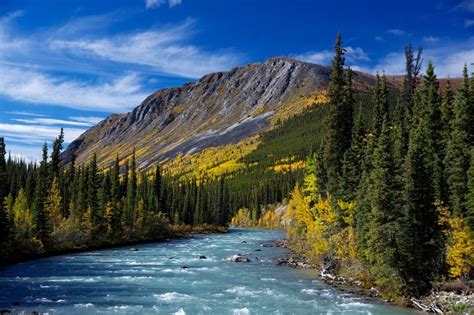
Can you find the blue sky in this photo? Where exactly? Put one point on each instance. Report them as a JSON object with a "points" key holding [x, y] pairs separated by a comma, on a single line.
{"points": [[71, 63]]}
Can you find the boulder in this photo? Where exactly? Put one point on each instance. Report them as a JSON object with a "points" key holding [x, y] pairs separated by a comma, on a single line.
{"points": [[238, 258], [202, 257]]}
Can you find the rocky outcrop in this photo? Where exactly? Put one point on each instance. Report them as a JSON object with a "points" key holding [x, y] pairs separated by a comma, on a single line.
{"points": [[220, 108]]}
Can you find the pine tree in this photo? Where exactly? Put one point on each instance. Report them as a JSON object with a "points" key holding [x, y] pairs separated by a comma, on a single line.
{"points": [[380, 101], [470, 195], [413, 67], [383, 228], [419, 226], [158, 187], [4, 226], [81, 201], [447, 115], [221, 210], [428, 105], [458, 149], [106, 202], [55, 154], [130, 202], [116, 189], [347, 111], [93, 186], [3, 171], [339, 125], [351, 165], [41, 221]]}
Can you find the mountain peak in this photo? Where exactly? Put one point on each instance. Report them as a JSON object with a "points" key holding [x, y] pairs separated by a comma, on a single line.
{"points": [[220, 108]]}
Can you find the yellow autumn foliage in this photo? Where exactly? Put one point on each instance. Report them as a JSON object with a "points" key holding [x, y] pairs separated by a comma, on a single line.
{"points": [[297, 105], [270, 219], [212, 162], [459, 243], [287, 166], [321, 229]]}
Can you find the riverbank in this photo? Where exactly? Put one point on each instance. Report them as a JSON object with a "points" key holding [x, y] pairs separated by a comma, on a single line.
{"points": [[172, 232], [459, 299]]}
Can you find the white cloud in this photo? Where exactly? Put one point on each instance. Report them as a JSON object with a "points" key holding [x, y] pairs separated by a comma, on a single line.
{"points": [[29, 153], [468, 23], [25, 141], [467, 5], [379, 38], [91, 119], [448, 60], [27, 63], [52, 121], [161, 50], [396, 32], [318, 57], [26, 114], [119, 95], [323, 57], [174, 3], [430, 39], [151, 4], [37, 132]]}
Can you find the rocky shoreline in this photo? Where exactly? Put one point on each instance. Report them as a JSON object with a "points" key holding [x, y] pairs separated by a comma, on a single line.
{"points": [[440, 302]]}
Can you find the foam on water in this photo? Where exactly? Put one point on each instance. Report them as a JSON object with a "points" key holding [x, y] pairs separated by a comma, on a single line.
{"points": [[153, 280], [241, 311], [172, 297]]}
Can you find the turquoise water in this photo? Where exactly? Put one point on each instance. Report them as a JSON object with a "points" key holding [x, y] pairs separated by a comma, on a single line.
{"points": [[152, 281]]}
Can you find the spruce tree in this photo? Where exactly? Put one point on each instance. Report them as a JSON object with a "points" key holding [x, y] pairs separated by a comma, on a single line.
{"points": [[380, 101], [41, 221], [412, 67], [130, 202], [351, 165], [420, 230], [428, 105], [158, 187], [383, 214], [55, 154], [470, 195], [339, 125], [105, 202], [4, 226], [447, 115], [116, 193], [456, 162], [93, 202]]}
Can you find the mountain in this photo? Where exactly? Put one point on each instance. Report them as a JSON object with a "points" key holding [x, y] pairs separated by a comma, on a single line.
{"points": [[220, 108]]}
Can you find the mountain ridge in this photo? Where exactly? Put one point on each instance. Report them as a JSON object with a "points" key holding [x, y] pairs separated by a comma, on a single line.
{"points": [[220, 108]]}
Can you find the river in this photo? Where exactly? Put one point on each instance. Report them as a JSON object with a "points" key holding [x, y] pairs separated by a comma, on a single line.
{"points": [[152, 280]]}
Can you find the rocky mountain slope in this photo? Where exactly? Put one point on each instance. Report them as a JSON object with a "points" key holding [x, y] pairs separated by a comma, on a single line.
{"points": [[220, 108]]}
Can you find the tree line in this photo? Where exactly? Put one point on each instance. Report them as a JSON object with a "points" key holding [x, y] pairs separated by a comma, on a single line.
{"points": [[49, 207], [391, 200]]}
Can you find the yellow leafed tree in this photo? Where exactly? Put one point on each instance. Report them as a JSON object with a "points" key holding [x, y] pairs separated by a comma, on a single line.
{"points": [[53, 205], [459, 243]]}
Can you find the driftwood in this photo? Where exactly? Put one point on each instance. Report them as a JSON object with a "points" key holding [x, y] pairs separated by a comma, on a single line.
{"points": [[431, 308]]}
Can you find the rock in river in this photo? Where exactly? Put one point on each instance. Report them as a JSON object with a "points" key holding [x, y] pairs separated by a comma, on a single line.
{"points": [[238, 258]]}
